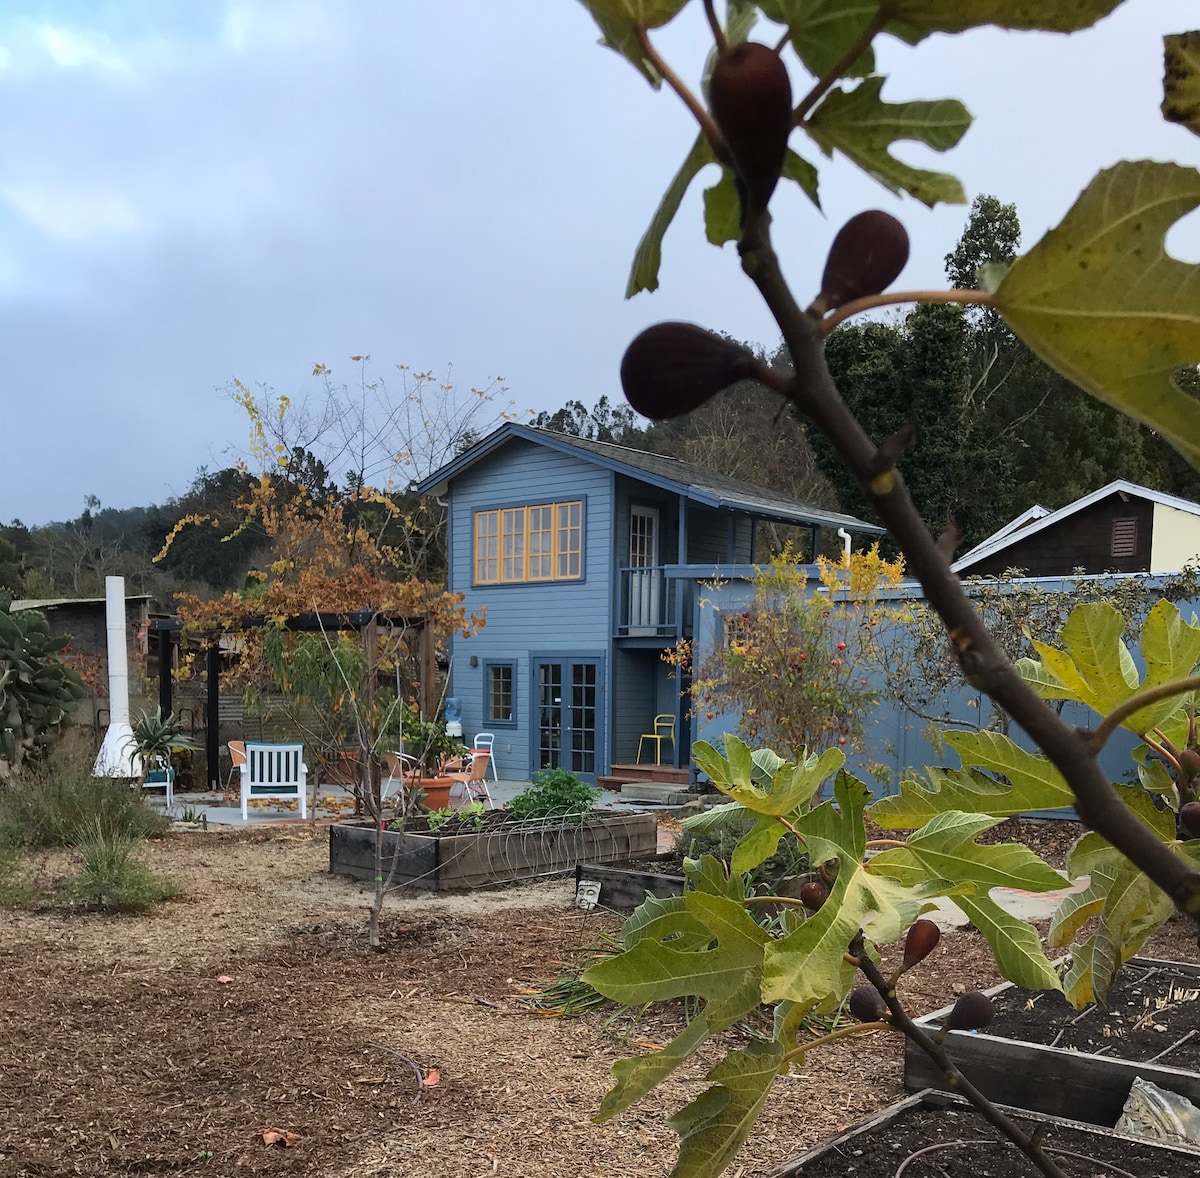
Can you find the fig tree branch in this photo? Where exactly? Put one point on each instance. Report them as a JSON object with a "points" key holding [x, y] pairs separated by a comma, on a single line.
{"points": [[709, 128], [953, 1077], [714, 24], [858, 306], [983, 663], [1135, 703]]}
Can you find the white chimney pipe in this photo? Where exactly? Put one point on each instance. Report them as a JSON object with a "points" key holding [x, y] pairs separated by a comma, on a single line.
{"points": [[844, 536], [118, 755]]}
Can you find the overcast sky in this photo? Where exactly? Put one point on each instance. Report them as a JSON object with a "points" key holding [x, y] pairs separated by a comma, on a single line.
{"points": [[197, 190]]}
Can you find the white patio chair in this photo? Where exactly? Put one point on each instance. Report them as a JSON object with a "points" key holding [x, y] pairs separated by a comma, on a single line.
{"points": [[486, 742], [274, 771]]}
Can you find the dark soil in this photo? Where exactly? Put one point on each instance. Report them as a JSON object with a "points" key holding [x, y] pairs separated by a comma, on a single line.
{"points": [[1152, 1014], [961, 1145]]}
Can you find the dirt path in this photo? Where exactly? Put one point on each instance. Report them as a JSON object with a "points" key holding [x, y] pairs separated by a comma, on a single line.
{"points": [[121, 1052]]}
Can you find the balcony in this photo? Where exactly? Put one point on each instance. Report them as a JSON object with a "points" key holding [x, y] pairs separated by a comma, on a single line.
{"points": [[649, 603]]}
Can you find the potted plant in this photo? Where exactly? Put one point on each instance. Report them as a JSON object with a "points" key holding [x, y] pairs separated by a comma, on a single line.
{"points": [[430, 746], [156, 738]]}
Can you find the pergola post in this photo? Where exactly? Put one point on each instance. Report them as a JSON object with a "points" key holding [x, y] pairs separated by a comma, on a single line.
{"points": [[212, 731]]}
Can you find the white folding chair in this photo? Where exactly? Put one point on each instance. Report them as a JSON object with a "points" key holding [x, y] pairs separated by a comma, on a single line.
{"points": [[485, 742]]}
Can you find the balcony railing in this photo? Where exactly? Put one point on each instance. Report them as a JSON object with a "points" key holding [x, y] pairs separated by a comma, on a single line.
{"points": [[647, 603]]}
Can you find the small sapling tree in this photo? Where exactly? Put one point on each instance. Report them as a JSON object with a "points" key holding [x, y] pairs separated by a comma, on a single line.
{"points": [[1100, 300]]}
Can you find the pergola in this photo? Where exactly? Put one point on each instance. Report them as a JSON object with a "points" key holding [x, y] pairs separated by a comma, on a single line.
{"points": [[365, 622]]}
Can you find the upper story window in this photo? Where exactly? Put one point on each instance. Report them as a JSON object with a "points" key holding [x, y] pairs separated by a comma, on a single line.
{"points": [[543, 542]]}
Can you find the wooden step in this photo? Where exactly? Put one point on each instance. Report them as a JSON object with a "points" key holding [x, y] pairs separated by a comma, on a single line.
{"points": [[667, 774]]}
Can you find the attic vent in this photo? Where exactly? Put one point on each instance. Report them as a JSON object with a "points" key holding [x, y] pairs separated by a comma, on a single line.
{"points": [[1124, 537]]}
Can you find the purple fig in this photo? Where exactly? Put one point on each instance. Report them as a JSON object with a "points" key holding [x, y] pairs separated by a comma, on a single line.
{"points": [[1189, 762], [813, 895], [971, 1012], [867, 1005], [922, 940], [751, 98], [1189, 819], [673, 368], [866, 257]]}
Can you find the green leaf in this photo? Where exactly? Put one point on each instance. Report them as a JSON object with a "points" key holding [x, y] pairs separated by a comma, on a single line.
{"points": [[797, 168], [1035, 784], [1099, 299], [648, 256], [646, 14], [725, 974], [757, 846], [863, 128], [657, 917], [953, 16], [1014, 943], [708, 874], [1171, 650], [945, 848], [715, 1124], [1079, 907], [641, 1073], [1044, 682], [793, 784], [716, 817], [1181, 83], [823, 30]]}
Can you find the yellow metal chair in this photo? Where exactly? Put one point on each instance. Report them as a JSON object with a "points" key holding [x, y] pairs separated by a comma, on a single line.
{"points": [[664, 729]]}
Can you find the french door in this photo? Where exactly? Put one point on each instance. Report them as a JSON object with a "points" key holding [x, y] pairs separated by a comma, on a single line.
{"points": [[645, 585], [569, 695]]}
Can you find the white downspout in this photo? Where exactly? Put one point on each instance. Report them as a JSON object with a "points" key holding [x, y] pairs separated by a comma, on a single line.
{"points": [[844, 536], [118, 754]]}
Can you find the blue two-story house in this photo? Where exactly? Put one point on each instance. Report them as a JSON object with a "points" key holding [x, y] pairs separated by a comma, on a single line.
{"points": [[587, 557]]}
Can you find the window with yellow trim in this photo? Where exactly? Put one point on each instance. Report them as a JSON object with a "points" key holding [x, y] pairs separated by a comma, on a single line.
{"points": [[542, 542]]}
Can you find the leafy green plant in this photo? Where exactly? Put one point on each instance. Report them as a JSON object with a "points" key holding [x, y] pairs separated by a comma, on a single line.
{"points": [[158, 737], [1100, 300], [111, 873], [428, 743], [38, 691], [555, 793]]}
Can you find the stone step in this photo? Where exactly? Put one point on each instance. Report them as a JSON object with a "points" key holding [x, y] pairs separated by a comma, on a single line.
{"points": [[659, 792]]}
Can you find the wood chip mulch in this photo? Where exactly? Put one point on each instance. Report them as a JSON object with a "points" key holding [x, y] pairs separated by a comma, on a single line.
{"points": [[123, 1052]]}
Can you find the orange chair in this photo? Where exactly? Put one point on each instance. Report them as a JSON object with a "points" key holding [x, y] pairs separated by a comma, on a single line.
{"points": [[472, 780], [237, 752]]}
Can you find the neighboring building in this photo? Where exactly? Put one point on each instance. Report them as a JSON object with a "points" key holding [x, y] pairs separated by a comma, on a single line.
{"points": [[1122, 528], [588, 556], [83, 621]]}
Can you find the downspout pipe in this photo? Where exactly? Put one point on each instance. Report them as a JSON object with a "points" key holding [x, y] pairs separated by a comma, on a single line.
{"points": [[844, 536]]}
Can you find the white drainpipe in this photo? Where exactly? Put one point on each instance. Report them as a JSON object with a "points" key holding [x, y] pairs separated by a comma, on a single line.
{"points": [[118, 754], [844, 536]]}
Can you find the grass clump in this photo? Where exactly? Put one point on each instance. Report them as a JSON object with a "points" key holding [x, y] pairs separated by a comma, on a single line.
{"points": [[51, 808], [112, 874]]}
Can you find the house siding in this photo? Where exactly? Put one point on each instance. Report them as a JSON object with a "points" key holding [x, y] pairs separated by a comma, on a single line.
{"points": [[1176, 539], [1081, 542], [528, 621]]}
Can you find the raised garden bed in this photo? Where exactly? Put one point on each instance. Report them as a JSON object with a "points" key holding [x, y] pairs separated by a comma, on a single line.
{"points": [[622, 888], [960, 1144], [500, 852], [1042, 1054]]}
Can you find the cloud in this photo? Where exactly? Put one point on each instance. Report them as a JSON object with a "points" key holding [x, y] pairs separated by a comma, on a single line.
{"points": [[74, 213], [80, 49]]}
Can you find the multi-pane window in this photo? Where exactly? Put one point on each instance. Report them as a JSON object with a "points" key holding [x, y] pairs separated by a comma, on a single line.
{"points": [[543, 542], [499, 699]]}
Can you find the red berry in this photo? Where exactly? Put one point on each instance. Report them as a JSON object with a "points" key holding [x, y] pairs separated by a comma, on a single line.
{"points": [[841, 740], [866, 257], [841, 646], [751, 98], [803, 657]]}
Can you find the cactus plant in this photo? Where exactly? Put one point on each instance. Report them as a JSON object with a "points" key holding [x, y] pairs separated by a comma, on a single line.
{"points": [[38, 691]]}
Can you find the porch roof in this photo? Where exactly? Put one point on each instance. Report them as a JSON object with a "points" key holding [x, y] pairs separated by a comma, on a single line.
{"points": [[697, 483]]}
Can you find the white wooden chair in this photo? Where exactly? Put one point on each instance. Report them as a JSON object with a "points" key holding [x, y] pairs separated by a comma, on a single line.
{"points": [[274, 771], [161, 776]]}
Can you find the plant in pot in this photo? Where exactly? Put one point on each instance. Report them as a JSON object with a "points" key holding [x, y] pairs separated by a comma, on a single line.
{"points": [[157, 738], [430, 746]]}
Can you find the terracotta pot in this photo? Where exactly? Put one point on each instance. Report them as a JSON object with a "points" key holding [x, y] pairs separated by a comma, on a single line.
{"points": [[437, 791]]}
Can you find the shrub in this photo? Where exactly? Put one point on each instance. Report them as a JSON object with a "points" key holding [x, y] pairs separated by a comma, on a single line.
{"points": [[555, 793], [111, 874], [54, 806]]}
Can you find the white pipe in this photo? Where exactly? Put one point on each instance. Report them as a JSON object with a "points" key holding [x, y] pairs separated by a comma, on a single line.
{"points": [[844, 536], [118, 755]]}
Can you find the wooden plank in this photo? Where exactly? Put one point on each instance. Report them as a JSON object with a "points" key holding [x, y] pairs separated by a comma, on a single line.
{"points": [[623, 889], [1051, 1080]]}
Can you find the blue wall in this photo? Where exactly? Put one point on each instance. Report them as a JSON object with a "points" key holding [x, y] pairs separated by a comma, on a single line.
{"points": [[894, 738], [524, 621]]}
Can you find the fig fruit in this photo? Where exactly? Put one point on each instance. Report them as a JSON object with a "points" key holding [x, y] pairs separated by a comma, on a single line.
{"points": [[813, 895], [867, 1005], [922, 940], [1189, 819], [672, 368], [1189, 762], [972, 1011], [751, 99], [866, 257]]}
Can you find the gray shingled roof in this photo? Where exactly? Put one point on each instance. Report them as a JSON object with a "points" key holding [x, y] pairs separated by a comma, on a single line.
{"points": [[696, 482]]}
